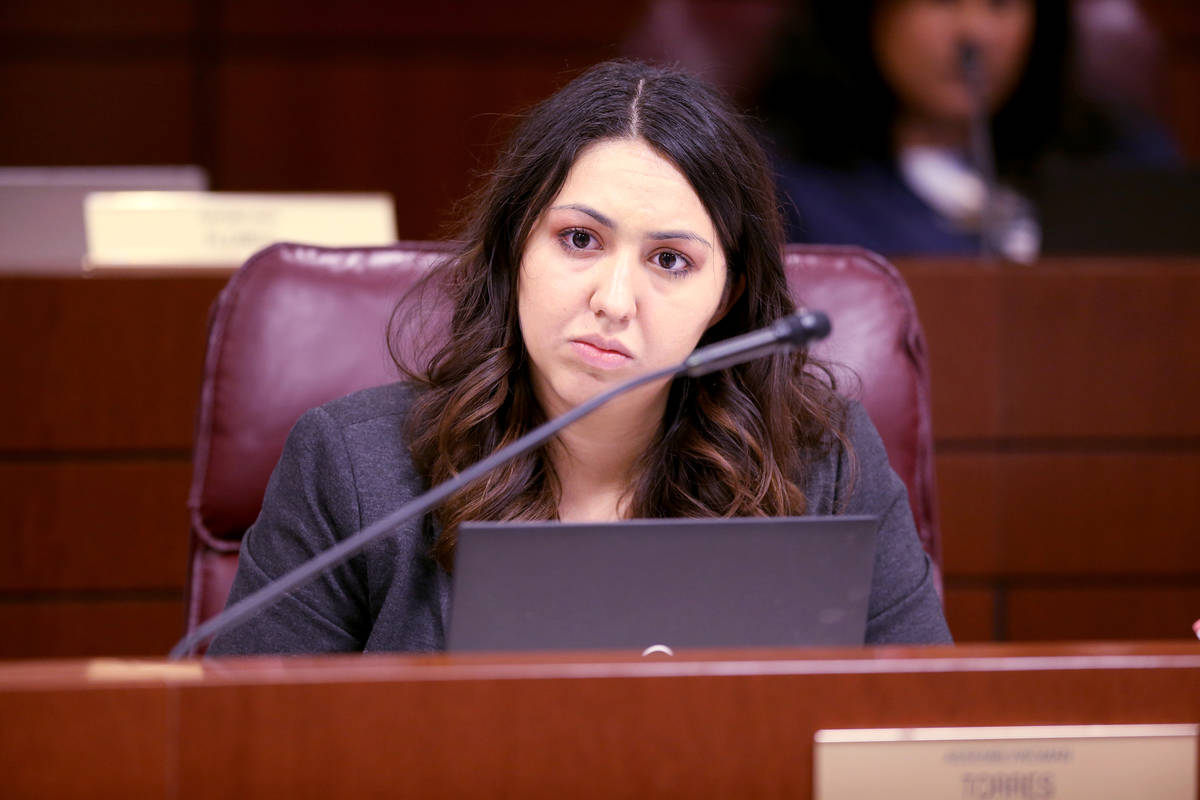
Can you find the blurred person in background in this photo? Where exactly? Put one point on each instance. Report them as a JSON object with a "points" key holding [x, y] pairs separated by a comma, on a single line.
{"points": [[919, 126]]}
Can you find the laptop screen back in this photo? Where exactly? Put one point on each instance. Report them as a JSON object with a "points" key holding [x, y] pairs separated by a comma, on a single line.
{"points": [[742, 582]]}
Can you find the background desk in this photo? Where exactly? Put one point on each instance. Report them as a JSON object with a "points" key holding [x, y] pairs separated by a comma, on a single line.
{"points": [[1065, 410], [731, 724]]}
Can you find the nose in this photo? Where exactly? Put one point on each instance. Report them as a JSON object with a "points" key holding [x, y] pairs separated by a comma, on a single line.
{"points": [[614, 294]]}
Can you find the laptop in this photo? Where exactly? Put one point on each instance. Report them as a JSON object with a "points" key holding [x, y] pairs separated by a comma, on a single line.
{"points": [[656, 585], [1119, 210], [41, 209]]}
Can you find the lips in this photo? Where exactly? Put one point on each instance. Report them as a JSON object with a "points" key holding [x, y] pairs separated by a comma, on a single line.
{"points": [[602, 343], [601, 352]]}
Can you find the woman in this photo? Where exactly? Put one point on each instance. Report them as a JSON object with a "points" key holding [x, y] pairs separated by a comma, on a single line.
{"points": [[919, 126], [630, 218]]}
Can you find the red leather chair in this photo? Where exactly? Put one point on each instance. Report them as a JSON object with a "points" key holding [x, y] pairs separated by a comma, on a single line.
{"points": [[298, 325]]}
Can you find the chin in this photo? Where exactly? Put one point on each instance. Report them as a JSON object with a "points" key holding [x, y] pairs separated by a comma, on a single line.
{"points": [[568, 394]]}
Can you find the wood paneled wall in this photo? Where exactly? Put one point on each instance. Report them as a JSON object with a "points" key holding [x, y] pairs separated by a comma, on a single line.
{"points": [[408, 98], [1068, 445]]}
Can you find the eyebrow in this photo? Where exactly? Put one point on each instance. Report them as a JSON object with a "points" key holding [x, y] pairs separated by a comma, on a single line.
{"points": [[655, 235]]}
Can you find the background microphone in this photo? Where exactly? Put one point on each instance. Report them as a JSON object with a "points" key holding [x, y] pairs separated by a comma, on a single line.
{"points": [[788, 333], [1008, 224], [970, 61]]}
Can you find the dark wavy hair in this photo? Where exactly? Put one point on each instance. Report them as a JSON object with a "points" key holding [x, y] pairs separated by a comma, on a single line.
{"points": [[828, 103], [733, 443]]}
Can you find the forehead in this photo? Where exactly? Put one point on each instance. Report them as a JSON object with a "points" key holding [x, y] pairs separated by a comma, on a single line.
{"points": [[630, 176]]}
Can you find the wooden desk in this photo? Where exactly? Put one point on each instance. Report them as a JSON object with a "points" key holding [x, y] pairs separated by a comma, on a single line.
{"points": [[727, 724]]}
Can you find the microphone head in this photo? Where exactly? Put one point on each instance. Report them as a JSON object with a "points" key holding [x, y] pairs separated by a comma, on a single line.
{"points": [[781, 335], [804, 326], [968, 55], [970, 61]]}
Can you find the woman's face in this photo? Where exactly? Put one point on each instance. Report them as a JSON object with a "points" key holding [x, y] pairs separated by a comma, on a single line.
{"points": [[917, 44], [621, 274]]}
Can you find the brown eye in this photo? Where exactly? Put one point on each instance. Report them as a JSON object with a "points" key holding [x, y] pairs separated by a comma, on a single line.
{"points": [[581, 239], [672, 263]]}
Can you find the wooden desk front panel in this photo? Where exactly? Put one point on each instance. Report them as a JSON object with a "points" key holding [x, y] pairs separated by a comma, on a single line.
{"points": [[1083, 532], [716, 725], [95, 459]]}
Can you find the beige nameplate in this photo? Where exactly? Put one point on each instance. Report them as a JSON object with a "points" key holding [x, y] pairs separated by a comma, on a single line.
{"points": [[124, 669], [1042, 762], [132, 229]]}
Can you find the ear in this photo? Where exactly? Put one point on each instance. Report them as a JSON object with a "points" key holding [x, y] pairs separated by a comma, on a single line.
{"points": [[733, 291]]}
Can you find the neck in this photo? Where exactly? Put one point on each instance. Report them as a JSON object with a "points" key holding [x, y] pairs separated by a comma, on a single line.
{"points": [[913, 130], [595, 457]]}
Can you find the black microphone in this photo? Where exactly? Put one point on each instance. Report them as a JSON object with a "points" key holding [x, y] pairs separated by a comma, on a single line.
{"points": [[970, 60], [974, 72], [1007, 222], [785, 334]]}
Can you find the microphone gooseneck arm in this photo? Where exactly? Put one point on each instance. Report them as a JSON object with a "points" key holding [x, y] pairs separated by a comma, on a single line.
{"points": [[970, 59], [787, 333], [251, 604]]}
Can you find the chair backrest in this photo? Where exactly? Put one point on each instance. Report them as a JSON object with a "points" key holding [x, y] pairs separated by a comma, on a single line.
{"points": [[298, 325]]}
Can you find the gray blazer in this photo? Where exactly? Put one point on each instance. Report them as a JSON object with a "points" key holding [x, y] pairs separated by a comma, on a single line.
{"points": [[346, 464]]}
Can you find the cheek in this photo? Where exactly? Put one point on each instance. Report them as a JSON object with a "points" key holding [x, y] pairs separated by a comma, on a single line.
{"points": [[532, 281], [543, 304], [1011, 50], [529, 321], [912, 79], [910, 43], [522, 293], [680, 325]]}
